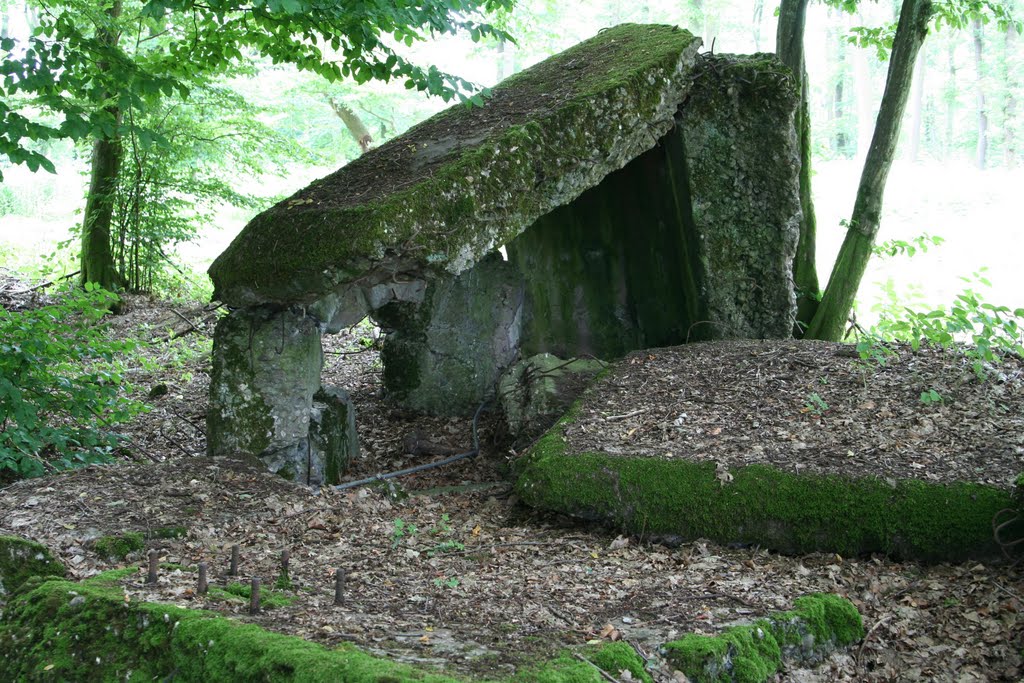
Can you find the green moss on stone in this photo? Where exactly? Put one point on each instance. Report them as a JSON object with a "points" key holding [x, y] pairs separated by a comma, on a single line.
{"points": [[818, 624], [111, 577], [119, 546], [762, 505], [743, 167], [468, 180], [67, 631], [61, 630], [237, 421], [21, 559]]}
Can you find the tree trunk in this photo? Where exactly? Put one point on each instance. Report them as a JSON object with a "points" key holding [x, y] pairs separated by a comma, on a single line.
{"points": [[789, 45], [830, 321], [360, 133], [97, 260], [758, 14], [1010, 104], [950, 100], [981, 150], [840, 141], [862, 82]]}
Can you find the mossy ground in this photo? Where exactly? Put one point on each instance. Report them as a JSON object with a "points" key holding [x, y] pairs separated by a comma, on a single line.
{"points": [[239, 592], [760, 505]]}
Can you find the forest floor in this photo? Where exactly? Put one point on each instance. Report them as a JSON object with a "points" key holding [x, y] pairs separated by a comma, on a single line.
{"points": [[446, 569]]}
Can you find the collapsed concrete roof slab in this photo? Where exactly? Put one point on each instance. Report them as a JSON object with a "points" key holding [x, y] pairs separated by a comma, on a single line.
{"points": [[468, 180]]}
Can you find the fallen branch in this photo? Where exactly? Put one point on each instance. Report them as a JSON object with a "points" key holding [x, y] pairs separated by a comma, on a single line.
{"points": [[45, 284], [604, 674], [632, 413], [867, 635]]}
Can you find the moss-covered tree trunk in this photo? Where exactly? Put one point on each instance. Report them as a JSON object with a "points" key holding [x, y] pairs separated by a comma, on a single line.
{"points": [[97, 259], [830, 320], [789, 45]]}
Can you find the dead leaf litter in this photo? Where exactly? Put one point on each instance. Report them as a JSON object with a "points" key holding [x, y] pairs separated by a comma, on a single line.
{"points": [[445, 569]]}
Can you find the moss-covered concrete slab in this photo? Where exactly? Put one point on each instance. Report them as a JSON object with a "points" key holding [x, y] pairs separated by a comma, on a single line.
{"points": [[468, 180], [21, 559], [60, 630], [744, 471]]}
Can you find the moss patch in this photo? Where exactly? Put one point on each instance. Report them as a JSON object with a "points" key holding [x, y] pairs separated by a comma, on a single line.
{"points": [[762, 505], [239, 592], [21, 559], [592, 665], [119, 546], [817, 625]]}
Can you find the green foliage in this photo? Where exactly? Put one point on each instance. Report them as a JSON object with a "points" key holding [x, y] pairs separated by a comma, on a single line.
{"points": [[451, 582], [448, 546], [402, 530], [904, 248], [956, 14], [85, 65], [815, 405], [981, 331], [167, 191], [443, 526], [62, 386], [931, 397]]}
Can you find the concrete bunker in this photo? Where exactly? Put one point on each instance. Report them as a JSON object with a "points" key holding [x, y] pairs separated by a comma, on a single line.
{"points": [[646, 194]]}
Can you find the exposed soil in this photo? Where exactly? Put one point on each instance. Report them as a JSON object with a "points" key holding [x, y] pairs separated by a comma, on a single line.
{"points": [[482, 585]]}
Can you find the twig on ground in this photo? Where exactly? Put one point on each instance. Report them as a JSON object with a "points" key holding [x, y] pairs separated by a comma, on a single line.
{"points": [[638, 411], [863, 643], [189, 322], [189, 422], [1007, 591], [604, 674], [45, 284]]}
